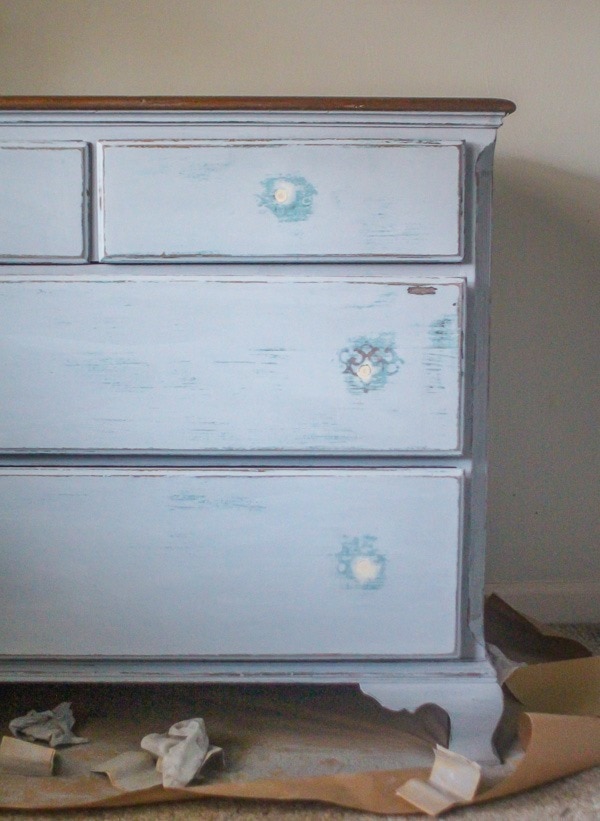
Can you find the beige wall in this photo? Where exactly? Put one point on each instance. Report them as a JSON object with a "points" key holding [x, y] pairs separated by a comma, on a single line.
{"points": [[544, 54]]}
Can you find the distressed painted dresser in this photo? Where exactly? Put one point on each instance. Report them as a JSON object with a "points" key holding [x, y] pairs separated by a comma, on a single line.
{"points": [[244, 367]]}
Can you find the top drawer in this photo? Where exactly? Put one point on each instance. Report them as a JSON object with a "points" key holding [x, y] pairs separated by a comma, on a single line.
{"points": [[43, 201], [194, 200]]}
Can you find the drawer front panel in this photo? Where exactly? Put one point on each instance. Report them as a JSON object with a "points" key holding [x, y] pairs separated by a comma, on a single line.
{"points": [[43, 202], [197, 364], [229, 563], [194, 200]]}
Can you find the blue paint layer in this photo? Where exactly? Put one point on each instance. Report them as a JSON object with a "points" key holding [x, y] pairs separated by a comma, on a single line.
{"points": [[193, 501], [442, 332], [290, 198], [199, 171], [369, 362], [360, 564]]}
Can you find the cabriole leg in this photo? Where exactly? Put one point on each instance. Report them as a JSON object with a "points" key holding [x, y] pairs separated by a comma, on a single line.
{"points": [[474, 708]]}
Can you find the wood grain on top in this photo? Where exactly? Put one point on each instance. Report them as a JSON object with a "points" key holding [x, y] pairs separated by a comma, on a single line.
{"points": [[390, 104]]}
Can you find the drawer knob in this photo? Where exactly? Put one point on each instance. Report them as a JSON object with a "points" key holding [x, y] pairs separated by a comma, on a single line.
{"points": [[365, 569], [282, 195], [365, 372]]}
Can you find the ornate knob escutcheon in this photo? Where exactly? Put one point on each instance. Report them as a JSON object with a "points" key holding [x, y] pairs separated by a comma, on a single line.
{"points": [[368, 363]]}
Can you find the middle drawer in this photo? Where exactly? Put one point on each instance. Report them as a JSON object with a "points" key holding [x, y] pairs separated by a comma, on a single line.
{"points": [[205, 364]]}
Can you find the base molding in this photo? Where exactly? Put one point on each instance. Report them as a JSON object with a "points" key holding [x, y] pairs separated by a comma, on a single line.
{"points": [[552, 601], [467, 691]]}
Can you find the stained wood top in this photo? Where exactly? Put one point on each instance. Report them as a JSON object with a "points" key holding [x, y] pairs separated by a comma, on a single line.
{"points": [[384, 104]]}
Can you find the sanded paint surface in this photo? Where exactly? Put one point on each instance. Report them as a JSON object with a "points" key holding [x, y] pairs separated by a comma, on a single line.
{"points": [[191, 200], [279, 363], [229, 563]]}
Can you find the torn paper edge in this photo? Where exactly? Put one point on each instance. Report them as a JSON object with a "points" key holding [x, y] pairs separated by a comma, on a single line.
{"points": [[454, 780]]}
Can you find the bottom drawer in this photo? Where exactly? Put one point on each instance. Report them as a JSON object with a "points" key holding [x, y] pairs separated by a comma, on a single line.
{"points": [[228, 563]]}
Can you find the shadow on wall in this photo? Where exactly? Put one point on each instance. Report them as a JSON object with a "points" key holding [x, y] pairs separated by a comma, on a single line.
{"points": [[544, 407]]}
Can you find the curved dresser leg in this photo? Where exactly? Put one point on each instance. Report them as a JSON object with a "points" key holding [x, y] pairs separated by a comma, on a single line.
{"points": [[474, 708]]}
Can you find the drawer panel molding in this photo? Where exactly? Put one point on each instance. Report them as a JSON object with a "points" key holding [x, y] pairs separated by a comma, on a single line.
{"points": [[230, 563], [193, 200], [43, 202], [271, 364]]}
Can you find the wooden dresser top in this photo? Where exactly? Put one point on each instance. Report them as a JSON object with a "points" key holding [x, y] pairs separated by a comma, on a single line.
{"points": [[389, 104]]}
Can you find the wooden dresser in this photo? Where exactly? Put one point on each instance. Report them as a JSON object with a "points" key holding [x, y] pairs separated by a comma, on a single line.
{"points": [[244, 376]]}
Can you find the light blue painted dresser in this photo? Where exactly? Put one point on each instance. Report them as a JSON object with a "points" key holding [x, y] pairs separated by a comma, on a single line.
{"points": [[244, 368]]}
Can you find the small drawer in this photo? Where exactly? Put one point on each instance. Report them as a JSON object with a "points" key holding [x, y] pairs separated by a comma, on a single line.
{"points": [[206, 563], [192, 200], [275, 364], [43, 202]]}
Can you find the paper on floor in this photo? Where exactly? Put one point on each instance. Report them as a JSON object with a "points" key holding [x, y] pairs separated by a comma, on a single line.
{"points": [[24, 758], [180, 753], [53, 726], [453, 780], [173, 759], [571, 687]]}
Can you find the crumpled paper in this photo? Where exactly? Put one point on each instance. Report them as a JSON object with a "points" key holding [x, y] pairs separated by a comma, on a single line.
{"points": [[53, 726], [453, 781], [181, 753]]}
